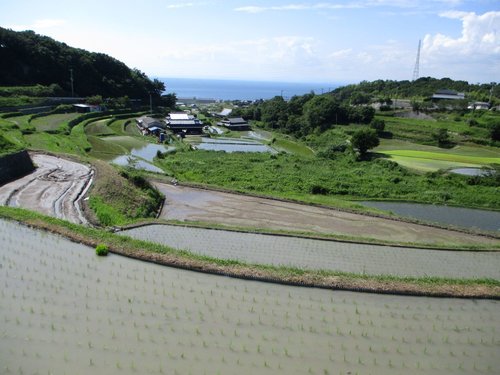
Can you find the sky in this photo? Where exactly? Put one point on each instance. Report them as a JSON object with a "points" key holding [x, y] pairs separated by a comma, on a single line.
{"points": [[277, 40]]}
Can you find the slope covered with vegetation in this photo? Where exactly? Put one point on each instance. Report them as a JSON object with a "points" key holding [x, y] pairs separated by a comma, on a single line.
{"points": [[27, 58]]}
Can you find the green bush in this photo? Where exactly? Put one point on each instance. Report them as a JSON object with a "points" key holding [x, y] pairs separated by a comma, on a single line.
{"points": [[101, 250]]}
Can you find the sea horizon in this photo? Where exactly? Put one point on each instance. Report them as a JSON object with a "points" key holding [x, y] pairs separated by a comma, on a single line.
{"points": [[232, 89]]}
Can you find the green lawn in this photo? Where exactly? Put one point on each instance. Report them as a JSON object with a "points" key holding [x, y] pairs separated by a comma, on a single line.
{"points": [[99, 128], [430, 158], [53, 122]]}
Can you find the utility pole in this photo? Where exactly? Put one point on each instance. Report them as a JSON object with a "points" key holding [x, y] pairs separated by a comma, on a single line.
{"points": [[71, 78], [150, 103]]}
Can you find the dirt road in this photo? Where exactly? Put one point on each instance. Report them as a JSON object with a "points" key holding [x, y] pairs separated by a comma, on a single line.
{"points": [[190, 204], [55, 188]]}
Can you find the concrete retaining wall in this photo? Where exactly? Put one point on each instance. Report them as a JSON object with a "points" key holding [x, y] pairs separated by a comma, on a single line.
{"points": [[15, 165]]}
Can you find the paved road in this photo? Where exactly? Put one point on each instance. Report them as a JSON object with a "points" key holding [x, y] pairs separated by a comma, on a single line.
{"points": [[55, 188], [319, 254]]}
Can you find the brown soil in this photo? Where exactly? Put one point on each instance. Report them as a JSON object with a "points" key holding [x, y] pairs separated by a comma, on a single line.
{"points": [[56, 188], [192, 204]]}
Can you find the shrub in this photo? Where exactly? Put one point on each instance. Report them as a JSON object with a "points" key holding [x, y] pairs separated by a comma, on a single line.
{"points": [[101, 250]]}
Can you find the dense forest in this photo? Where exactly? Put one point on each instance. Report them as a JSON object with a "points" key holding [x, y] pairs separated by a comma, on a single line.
{"points": [[310, 113], [27, 58], [424, 87]]}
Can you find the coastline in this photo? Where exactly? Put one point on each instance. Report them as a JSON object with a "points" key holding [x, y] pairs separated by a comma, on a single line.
{"points": [[220, 89]]}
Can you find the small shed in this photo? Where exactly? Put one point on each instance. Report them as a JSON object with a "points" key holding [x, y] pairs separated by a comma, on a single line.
{"points": [[86, 108]]}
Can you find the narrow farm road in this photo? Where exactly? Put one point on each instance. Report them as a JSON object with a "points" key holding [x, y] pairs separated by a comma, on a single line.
{"points": [[55, 188]]}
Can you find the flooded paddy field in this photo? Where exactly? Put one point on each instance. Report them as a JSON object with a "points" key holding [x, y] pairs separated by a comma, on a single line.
{"points": [[191, 204], [65, 311], [323, 255], [233, 145], [463, 217]]}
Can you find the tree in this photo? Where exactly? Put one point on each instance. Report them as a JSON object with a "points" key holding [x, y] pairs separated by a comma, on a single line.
{"points": [[364, 139], [442, 137], [495, 132], [378, 125]]}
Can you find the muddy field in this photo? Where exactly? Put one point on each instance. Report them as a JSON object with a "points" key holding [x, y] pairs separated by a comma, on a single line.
{"points": [[190, 204], [55, 188]]}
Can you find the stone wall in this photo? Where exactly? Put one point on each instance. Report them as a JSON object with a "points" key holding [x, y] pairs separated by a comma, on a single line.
{"points": [[15, 165]]}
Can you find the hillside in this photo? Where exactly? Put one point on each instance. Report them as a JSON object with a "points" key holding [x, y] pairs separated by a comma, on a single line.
{"points": [[365, 91], [27, 58]]}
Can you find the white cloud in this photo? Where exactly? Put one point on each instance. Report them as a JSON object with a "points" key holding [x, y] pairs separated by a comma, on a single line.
{"points": [[39, 24], [358, 4], [317, 6], [480, 36], [180, 5], [476, 52]]}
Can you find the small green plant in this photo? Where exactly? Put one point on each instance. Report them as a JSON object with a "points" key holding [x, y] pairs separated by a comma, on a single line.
{"points": [[102, 250]]}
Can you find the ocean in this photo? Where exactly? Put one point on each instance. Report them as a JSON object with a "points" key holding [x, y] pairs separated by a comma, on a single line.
{"points": [[240, 90]]}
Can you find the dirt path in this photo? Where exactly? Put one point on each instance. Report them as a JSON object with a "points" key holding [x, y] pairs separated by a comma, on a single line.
{"points": [[190, 204], [55, 188]]}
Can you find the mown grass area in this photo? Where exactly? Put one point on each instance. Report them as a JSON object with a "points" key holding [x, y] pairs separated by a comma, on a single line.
{"points": [[52, 122], [431, 158], [75, 143], [469, 159], [432, 286], [105, 150], [320, 180], [293, 147], [99, 128]]}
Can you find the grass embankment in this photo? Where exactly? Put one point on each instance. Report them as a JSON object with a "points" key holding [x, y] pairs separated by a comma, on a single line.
{"points": [[478, 288], [323, 181], [118, 198]]}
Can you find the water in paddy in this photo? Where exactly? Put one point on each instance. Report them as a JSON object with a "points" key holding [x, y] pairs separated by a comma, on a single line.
{"points": [[322, 255], [471, 171], [131, 161], [146, 152], [233, 145], [65, 310], [462, 217]]}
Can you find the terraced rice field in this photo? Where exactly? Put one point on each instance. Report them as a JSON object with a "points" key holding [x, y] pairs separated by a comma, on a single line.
{"points": [[323, 255], [56, 188], [64, 310]]}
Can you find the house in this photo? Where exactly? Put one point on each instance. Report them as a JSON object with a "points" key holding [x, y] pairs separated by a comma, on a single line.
{"points": [[87, 108], [448, 95], [479, 105], [184, 123], [149, 125], [146, 122], [235, 123]]}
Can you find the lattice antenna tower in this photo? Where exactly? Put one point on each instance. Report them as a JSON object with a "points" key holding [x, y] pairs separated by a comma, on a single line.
{"points": [[417, 62]]}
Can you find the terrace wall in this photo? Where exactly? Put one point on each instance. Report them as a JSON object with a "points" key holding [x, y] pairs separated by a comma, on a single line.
{"points": [[13, 166]]}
